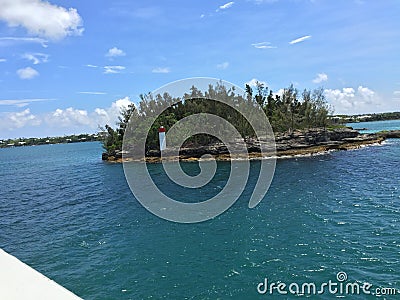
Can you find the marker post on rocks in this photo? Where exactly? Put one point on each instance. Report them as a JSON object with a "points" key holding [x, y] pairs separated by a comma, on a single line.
{"points": [[161, 136]]}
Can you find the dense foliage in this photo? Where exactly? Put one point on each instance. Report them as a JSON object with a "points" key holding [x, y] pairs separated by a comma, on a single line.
{"points": [[291, 110], [286, 112], [113, 137]]}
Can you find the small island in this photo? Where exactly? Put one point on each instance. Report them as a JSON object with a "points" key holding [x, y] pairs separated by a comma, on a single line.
{"points": [[303, 124]]}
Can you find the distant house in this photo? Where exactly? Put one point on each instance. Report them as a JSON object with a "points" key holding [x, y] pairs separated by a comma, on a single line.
{"points": [[364, 117], [336, 119]]}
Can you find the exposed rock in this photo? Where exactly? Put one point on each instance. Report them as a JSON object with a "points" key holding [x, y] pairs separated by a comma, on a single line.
{"points": [[308, 141], [342, 133], [390, 134], [112, 156]]}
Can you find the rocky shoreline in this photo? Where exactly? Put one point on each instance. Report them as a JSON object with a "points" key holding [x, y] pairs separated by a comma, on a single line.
{"points": [[305, 142]]}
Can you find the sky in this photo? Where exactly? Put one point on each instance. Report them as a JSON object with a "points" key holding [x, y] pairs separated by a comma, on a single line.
{"points": [[67, 67]]}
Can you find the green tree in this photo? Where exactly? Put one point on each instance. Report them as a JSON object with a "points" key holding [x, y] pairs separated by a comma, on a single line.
{"points": [[113, 139], [286, 112]]}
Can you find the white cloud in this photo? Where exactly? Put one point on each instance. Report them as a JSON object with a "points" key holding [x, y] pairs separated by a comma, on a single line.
{"points": [[227, 5], [114, 52], [93, 93], [41, 18], [223, 66], [101, 116], [3, 60], [353, 101], [341, 99], [27, 73], [301, 39], [86, 121], [108, 69], [69, 117], [161, 70], [320, 78], [72, 117], [15, 120], [36, 58], [366, 93], [12, 40], [280, 92], [113, 69], [254, 82], [22, 102], [63, 121], [263, 45], [114, 111], [24, 118], [202, 16]]}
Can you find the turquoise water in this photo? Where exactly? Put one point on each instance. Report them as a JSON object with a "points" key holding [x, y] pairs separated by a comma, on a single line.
{"points": [[72, 217], [372, 127]]}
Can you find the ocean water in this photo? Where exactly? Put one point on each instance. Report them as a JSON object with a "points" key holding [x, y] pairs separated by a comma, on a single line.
{"points": [[371, 127], [72, 217]]}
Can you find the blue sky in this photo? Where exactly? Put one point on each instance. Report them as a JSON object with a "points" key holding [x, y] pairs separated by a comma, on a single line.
{"points": [[68, 66]]}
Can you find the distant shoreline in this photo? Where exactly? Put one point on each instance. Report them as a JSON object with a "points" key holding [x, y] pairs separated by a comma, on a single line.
{"points": [[69, 139], [374, 117], [299, 143]]}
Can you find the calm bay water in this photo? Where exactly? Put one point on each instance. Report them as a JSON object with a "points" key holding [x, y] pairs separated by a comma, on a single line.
{"points": [[370, 127], [72, 217]]}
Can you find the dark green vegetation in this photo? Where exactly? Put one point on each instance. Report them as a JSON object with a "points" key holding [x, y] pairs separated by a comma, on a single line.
{"points": [[369, 117], [292, 110], [112, 140], [50, 140], [287, 112]]}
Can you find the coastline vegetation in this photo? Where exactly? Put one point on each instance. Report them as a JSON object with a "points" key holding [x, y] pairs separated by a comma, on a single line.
{"points": [[6, 143], [292, 110]]}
